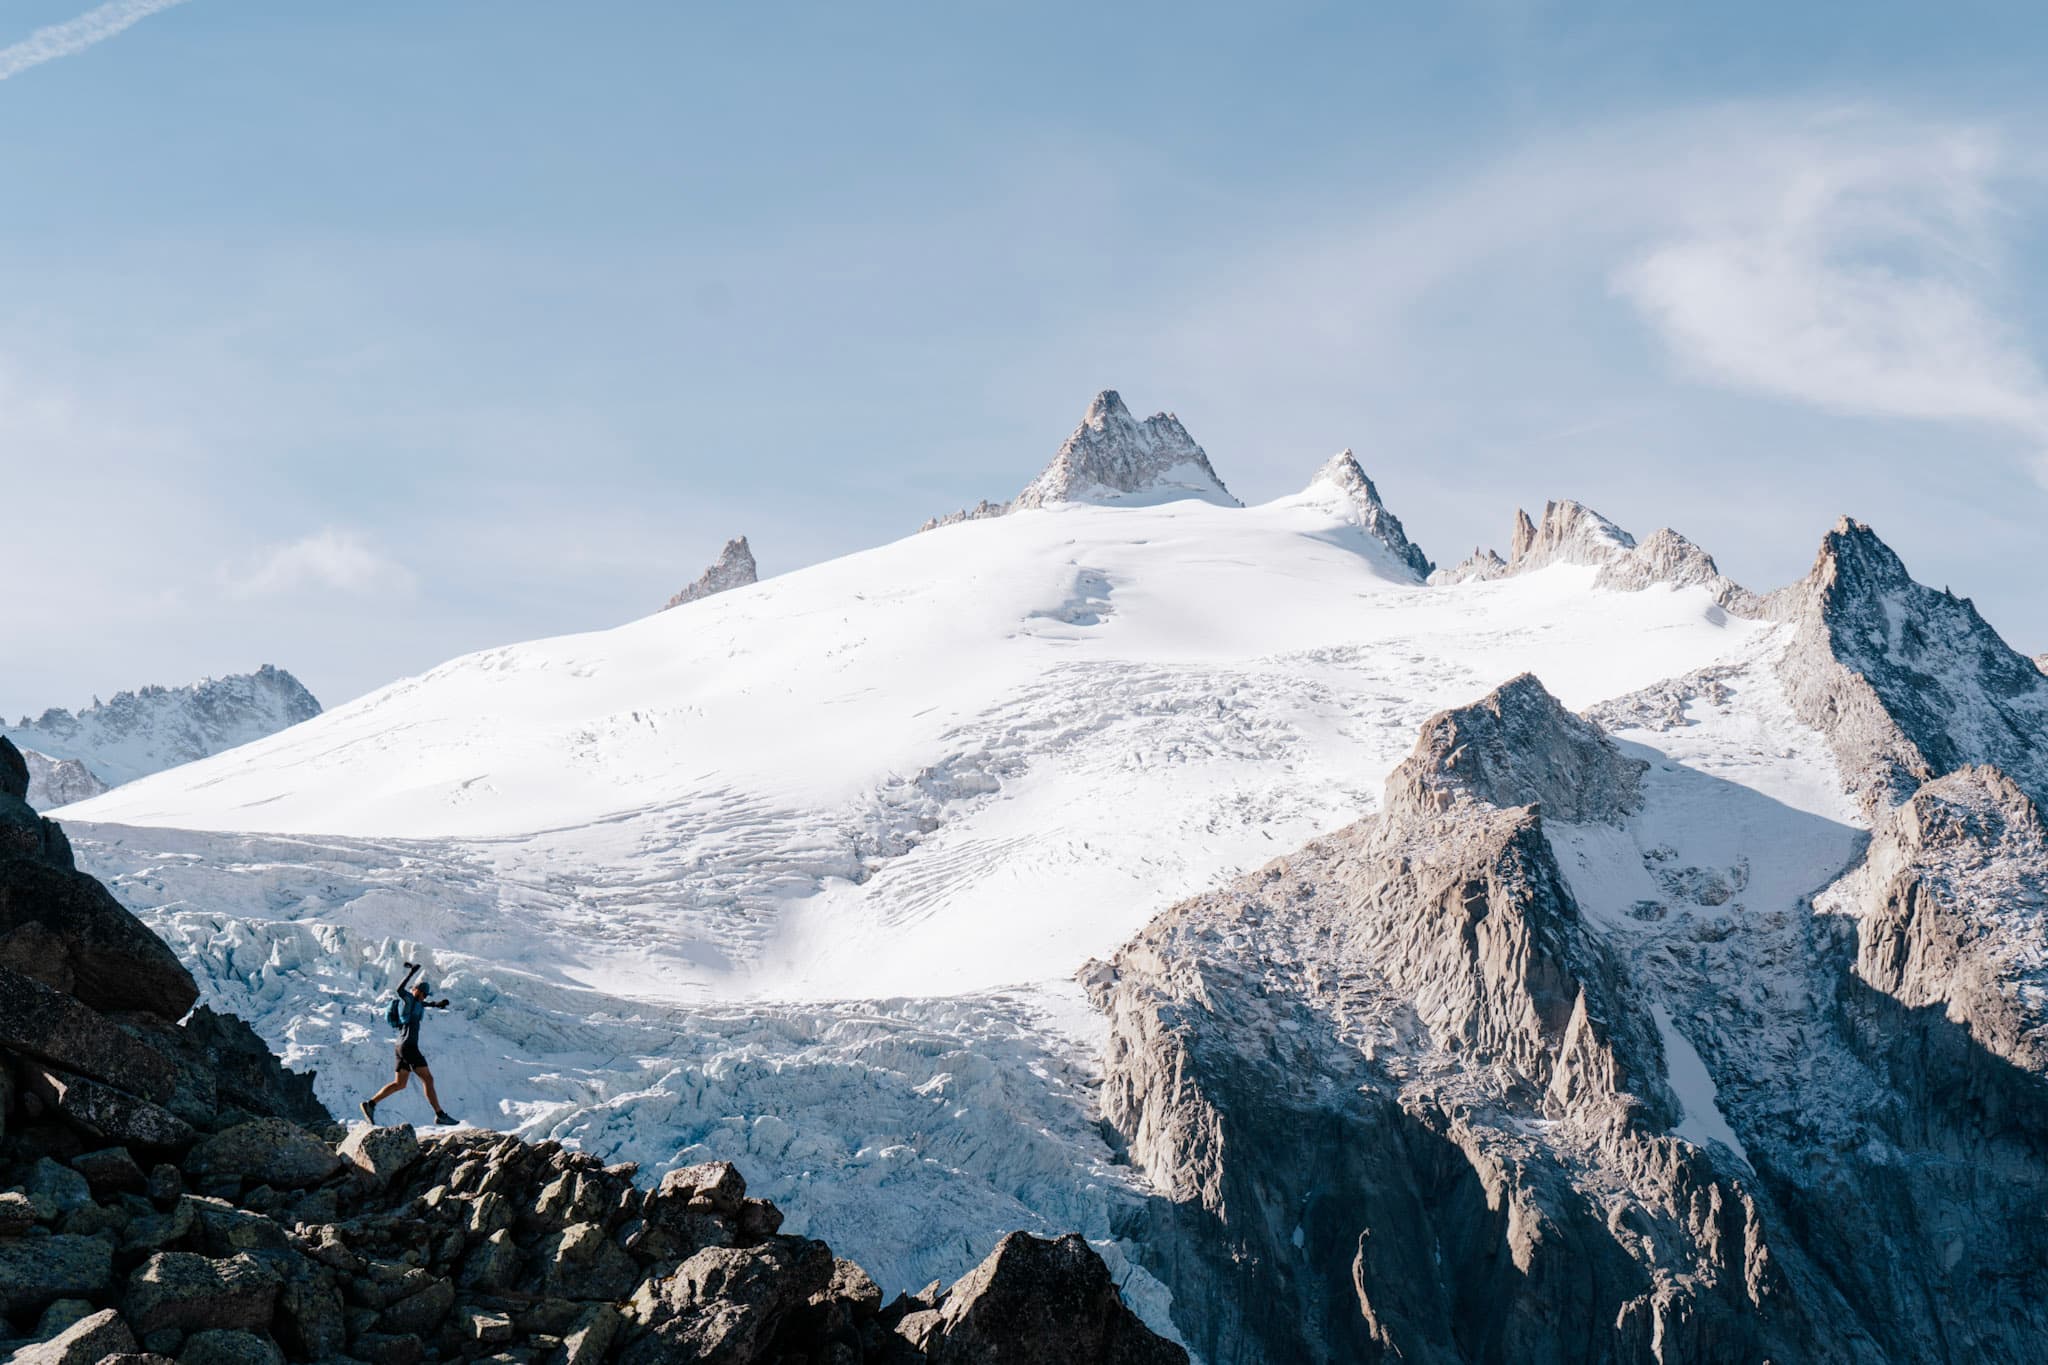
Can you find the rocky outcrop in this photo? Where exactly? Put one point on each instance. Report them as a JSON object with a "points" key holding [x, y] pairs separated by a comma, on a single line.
{"points": [[1479, 566], [64, 929], [1572, 533], [1344, 482], [1569, 533], [175, 1191], [1907, 683], [25, 835], [153, 728], [1113, 457], [1669, 558], [981, 511], [1401, 1103], [734, 568], [1517, 746], [1951, 904], [54, 782]]}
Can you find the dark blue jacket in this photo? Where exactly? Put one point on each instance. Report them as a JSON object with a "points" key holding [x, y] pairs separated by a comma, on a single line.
{"points": [[410, 1013]]}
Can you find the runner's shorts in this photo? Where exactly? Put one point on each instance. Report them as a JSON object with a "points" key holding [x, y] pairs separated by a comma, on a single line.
{"points": [[409, 1058]]}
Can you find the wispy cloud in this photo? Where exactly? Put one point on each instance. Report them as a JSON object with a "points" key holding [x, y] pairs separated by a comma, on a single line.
{"points": [[1860, 278], [331, 558], [1852, 260], [75, 35]]}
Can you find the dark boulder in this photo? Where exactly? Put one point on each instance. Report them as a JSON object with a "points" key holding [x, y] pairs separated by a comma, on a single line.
{"points": [[107, 1112], [54, 1027], [1035, 1300], [13, 771], [85, 1342], [178, 1289], [226, 1074], [67, 931], [725, 1305]]}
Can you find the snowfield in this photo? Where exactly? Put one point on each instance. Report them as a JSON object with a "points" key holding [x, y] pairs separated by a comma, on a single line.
{"points": [[800, 874]]}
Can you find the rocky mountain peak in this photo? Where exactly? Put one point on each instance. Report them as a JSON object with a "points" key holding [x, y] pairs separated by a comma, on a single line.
{"points": [[1907, 682], [1573, 533], [54, 782], [1113, 457], [1518, 746], [734, 568], [1570, 533], [1343, 477]]}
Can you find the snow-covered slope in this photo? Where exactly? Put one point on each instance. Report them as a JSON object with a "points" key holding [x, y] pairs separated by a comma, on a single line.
{"points": [[969, 758], [146, 731]]}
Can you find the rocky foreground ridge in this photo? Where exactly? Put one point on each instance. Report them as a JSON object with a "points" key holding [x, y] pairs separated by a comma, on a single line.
{"points": [[172, 1193]]}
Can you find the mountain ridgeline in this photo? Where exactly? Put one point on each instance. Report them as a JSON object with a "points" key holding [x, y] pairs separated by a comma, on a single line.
{"points": [[79, 754]]}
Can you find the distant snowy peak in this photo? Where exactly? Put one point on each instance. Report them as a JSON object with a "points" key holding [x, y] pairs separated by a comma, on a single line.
{"points": [[1908, 683], [1113, 457], [146, 731], [54, 782], [2041, 662], [1573, 533], [734, 568], [1569, 533], [1345, 482]]}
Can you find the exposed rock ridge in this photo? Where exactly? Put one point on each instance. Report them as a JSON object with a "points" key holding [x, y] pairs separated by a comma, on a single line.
{"points": [[734, 568], [1952, 908], [1332, 1071], [1572, 533], [1112, 456], [1344, 477], [1907, 683], [153, 728], [981, 511]]}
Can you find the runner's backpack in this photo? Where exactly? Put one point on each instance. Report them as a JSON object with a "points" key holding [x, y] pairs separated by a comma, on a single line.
{"points": [[391, 1014]]}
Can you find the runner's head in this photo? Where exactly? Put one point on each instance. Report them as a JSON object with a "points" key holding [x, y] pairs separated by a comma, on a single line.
{"points": [[420, 990]]}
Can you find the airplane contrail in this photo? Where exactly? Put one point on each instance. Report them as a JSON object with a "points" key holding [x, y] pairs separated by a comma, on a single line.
{"points": [[76, 35]]}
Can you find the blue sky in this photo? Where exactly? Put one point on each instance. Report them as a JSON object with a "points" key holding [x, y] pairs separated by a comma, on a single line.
{"points": [[352, 336]]}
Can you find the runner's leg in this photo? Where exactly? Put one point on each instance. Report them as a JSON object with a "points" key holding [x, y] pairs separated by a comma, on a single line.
{"points": [[397, 1084], [427, 1080]]}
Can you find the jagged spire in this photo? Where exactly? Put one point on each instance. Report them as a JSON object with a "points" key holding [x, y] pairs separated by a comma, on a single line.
{"points": [[1347, 479], [1907, 682], [1112, 457], [734, 568]]}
